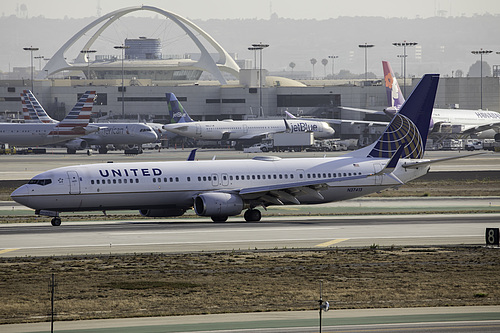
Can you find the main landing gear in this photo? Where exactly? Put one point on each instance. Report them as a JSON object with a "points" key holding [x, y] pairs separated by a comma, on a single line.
{"points": [[56, 221], [252, 215]]}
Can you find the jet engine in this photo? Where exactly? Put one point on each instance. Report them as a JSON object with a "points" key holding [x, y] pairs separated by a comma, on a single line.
{"points": [[218, 204], [77, 144], [168, 212]]}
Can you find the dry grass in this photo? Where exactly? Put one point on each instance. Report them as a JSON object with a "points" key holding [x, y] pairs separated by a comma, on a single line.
{"points": [[200, 283]]}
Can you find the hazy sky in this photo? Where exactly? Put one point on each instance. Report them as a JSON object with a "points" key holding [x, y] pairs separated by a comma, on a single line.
{"points": [[261, 9]]}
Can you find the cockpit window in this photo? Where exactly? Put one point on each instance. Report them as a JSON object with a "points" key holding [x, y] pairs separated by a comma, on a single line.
{"points": [[41, 182]]}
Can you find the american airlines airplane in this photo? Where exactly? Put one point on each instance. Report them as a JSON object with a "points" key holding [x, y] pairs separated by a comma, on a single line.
{"points": [[117, 134], [238, 129], [222, 188], [74, 125], [483, 123]]}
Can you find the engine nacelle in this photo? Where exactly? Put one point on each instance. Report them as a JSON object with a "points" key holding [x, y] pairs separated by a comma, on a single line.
{"points": [[169, 212], [218, 204], [77, 144]]}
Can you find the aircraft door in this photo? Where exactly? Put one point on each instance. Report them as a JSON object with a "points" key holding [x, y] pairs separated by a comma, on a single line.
{"points": [[245, 128], [198, 129], [74, 182], [300, 174]]}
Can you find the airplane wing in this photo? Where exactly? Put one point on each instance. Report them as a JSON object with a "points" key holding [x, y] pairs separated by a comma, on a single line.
{"points": [[350, 121], [362, 110], [254, 136], [482, 128], [276, 194], [417, 164]]}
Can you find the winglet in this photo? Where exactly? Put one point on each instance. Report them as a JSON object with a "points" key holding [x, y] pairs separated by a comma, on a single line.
{"points": [[287, 126], [192, 154]]}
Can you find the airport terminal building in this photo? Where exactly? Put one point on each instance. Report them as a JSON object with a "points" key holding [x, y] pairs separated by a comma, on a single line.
{"points": [[211, 85]]}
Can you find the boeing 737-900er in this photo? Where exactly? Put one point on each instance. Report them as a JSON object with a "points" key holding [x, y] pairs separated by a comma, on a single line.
{"points": [[482, 123], [74, 125], [219, 189], [116, 134], [237, 130]]}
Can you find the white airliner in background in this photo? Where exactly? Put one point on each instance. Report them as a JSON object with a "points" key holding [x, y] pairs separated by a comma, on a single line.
{"points": [[116, 134], [236, 130], [483, 123], [75, 124], [222, 188]]}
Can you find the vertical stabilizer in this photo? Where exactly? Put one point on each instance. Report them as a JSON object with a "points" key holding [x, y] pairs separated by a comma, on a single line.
{"points": [[176, 111], [410, 125], [79, 116], [41, 114], [29, 113], [395, 98]]}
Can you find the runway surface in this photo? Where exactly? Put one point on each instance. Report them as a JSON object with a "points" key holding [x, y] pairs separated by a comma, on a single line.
{"points": [[482, 319], [143, 236]]}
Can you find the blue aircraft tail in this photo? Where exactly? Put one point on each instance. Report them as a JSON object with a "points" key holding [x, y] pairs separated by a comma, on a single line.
{"points": [[176, 111], [410, 125]]}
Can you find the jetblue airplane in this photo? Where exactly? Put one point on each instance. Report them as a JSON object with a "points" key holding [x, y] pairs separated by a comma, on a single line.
{"points": [[236, 130], [222, 188], [117, 134], [75, 124], [483, 123]]}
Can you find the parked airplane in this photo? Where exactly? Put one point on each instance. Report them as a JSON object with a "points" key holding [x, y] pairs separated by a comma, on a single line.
{"points": [[222, 188], [238, 129], [117, 134], [74, 125], [444, 121]]}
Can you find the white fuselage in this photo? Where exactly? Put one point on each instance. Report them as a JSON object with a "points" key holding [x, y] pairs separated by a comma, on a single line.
{"points": [[121, 133], [248, 129], [157, 185], [467, 119], [36, 134]]}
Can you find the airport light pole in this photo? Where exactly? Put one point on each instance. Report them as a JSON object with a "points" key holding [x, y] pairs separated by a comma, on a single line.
{"points": [[404, 44], [31, 49], [260, 46], [402, 56], [87, 57], [481, 52], [122, 47], [366, 47], [333, 57]]}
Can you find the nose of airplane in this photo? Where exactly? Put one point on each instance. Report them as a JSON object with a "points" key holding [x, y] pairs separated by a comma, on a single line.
{"points": [[21, 195]]}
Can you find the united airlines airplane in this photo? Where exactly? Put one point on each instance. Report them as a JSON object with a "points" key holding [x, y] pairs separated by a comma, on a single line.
{"points": [[236, 130], [222, 188], [74, 125], [117, 134]]}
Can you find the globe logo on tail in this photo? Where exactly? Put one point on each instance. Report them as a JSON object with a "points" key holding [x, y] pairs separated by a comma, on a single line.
{"points": [[401, 131]]}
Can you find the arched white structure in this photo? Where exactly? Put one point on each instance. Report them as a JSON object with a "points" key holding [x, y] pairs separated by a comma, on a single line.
{"points": [[225, 63]]}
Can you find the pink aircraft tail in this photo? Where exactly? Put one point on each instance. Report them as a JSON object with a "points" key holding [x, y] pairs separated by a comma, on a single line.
{"points": [[395, 98]]}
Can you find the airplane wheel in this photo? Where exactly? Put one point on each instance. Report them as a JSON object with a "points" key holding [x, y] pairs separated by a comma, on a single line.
{"points": [[252, 215], [56, 221], [103, 150], [219, 218]]}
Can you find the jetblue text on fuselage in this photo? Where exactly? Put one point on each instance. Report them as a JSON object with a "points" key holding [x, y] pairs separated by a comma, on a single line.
{"points": [[303, 127], [147, 172]]}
